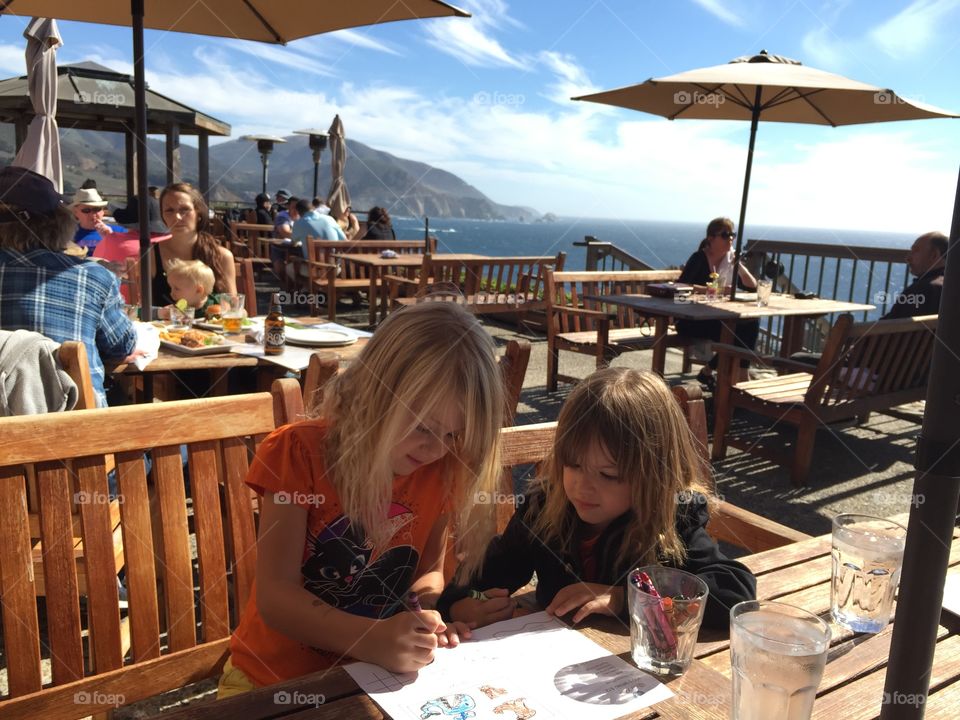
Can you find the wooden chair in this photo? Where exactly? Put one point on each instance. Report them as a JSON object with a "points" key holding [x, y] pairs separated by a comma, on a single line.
{"points": [[864, 367], [73, 358], [292, 404], [246, 285], [530, 444], [250, 239], [220, 434], [576, 323]]}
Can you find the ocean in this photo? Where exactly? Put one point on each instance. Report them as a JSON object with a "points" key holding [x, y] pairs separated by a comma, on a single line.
{"points": [[659, 244]]}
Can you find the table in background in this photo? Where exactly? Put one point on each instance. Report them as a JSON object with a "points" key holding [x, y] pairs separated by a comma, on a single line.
{"points": [[729, 312]]}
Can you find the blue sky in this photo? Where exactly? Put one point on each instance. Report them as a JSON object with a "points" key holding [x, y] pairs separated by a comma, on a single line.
{"points": [[488, 99]]}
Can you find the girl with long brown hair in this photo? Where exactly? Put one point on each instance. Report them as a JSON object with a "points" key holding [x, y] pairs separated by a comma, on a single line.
{"points": [[623, 487]]}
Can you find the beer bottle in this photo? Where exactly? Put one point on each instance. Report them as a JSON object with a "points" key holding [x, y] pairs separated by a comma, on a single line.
{"points": [[274, 337]]}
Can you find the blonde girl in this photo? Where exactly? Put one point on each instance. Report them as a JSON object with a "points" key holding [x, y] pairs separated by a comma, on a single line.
{"points": [[622, 488], [360, 503]]}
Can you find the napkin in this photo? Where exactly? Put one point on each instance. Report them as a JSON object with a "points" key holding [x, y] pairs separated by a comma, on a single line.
{"points": [[148, 342]]}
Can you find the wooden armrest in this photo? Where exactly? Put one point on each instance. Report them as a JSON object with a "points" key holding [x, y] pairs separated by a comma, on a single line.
{"points": [[735, 351], [582, 312], [745, 529], [791, 365]]}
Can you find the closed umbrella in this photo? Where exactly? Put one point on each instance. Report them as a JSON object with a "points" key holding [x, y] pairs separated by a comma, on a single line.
{"points": [[272, 21], [40, 152], [339, 197], [767, 87]]}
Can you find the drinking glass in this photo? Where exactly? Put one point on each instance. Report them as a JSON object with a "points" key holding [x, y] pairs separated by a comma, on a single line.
{"points": [[764, 288], [131, 311], [182, 318], [231, 311], [777, 655], [663, 630], [867, 558]]}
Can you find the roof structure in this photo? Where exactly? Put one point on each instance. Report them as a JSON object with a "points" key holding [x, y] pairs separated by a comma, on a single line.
{"points": [[93, 97]]}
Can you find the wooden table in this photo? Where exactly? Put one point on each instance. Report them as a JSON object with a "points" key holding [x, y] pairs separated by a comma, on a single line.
{"points": [[219, 364], [376, 266], [729, 312], [799, 574]]}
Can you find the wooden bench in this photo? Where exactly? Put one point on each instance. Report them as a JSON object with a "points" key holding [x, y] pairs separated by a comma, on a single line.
{"points": [[86, 650], [864, 367], [530, 444], [578, 324], [484, 285], [324, 278]]}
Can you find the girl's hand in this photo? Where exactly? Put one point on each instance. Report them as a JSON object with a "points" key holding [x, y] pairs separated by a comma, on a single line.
{"points": [[454, 633], [477, 613], [590, 598], [404, 642]]}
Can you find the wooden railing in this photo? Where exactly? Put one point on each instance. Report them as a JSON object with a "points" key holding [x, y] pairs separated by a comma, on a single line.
{"points": [[864, 274]]}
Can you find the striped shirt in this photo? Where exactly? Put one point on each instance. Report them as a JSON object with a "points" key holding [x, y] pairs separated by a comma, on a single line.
{"points": [[66, 298]]}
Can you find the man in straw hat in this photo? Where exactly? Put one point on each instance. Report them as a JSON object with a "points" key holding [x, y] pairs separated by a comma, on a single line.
{"points": [[88, 208]]}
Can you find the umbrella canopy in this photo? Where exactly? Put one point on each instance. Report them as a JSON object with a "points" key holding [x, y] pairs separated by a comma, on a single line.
{"points": [[40, 152], [765, 87], [273, 21], [339, 197]]}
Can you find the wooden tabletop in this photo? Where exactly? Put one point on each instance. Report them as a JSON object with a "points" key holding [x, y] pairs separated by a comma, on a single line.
{"points": [[688, 309], [799, 574], [402, 259]]}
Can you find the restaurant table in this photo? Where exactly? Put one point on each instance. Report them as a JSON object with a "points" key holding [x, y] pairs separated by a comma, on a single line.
{"points": [[793, 310], [798, 573], [376, 266], [169, 361]]}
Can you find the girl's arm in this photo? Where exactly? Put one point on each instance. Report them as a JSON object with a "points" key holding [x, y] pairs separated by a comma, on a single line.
{"points": [[429, 584], [747, 279], [402, 643]]}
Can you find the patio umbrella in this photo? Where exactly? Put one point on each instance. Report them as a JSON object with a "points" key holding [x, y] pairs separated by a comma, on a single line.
{"points": [[339, 197], [767, 87], [40, 151], [272, 21]]}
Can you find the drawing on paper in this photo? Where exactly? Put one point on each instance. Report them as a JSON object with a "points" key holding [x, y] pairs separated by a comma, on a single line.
{"points": [[492, 692], [457, 707], [518, 707]]}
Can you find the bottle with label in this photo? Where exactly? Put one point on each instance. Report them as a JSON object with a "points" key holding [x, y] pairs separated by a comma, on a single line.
{"points": [[274, 337]]}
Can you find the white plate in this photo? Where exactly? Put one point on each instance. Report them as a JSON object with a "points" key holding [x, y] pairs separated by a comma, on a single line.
{"points": [[204, 350], [319, 337]]}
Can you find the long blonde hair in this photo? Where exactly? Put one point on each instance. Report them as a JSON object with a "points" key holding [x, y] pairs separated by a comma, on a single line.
{"points": [[421, 358], [632, 415]]}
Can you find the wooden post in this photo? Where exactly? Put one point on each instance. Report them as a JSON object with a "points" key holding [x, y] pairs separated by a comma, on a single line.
{"points": [[204, 164], [174, 169]]}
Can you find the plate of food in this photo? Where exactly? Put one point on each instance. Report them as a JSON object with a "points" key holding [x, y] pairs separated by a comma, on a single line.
{"points": [[214, 321], [191, 341], [319, 336]]}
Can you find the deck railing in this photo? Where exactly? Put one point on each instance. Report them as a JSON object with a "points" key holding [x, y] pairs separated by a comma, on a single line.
{"points": [[862, 274]]}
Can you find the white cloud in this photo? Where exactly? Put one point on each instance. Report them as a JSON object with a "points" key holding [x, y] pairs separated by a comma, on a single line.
{"points": [[913, 29], [571, 78], [12, 60], [719, 10], [469, 39], [281, 56], [357, 39]]}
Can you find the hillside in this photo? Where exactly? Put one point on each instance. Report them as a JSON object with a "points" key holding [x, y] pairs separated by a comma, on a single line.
{"points": [[374, 177]]}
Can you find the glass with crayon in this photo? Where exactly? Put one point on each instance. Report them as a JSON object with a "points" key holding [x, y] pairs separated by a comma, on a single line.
{"points": [[666, 609]]}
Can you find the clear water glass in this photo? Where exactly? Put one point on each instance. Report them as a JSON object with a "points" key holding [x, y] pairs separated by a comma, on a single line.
{"points": [[764, 288], [867, 558], [777, 656]]}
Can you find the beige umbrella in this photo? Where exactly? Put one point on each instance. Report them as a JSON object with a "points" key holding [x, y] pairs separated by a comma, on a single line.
{"points": [[272, 21], [40, 151], [768, 87], [339, 197]]}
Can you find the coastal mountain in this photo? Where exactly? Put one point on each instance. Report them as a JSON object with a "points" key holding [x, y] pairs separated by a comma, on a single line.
{"points": [[404, 187]]}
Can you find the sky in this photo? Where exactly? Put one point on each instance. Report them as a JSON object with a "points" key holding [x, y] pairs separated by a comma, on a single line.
{"points": [[488, 98]]}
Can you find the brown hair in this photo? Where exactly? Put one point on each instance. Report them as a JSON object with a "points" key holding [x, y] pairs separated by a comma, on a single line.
{"points": [[715, 226], [206, 249], [634, 418], [29, 231]]}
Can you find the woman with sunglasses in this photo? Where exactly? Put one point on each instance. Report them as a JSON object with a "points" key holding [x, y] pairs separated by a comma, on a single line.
{"points": [[711, 261]]}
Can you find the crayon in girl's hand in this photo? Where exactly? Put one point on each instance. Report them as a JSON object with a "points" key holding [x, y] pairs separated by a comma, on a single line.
{"points": [[413, 602]]}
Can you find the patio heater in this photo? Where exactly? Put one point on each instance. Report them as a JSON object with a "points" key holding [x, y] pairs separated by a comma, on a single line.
{"points": [[318, 143], [265, 147]]}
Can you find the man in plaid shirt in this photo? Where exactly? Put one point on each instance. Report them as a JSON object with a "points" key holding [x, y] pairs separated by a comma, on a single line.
{"points": [[44, 290]]}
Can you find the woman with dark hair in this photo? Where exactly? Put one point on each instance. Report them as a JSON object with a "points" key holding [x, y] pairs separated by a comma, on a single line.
{"points": [[709, 263], [379, 226], [186, 214]]}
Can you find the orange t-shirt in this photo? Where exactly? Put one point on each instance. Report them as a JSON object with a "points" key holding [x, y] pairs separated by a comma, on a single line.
{"points": [[340, 567]]}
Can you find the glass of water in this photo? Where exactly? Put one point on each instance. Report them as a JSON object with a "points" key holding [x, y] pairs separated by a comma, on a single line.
{"points": [[777, 654], [764, 288], [867, 558]]}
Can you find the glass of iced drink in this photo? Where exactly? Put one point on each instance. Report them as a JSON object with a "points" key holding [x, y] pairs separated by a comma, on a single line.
{"points": [[764, 288], [777, 654], [231, 311], [867, 558], [666, 608]]}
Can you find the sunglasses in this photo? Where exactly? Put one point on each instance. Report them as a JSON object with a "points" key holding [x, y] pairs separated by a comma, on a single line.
{"points": [[726, 235], [88, 211]]}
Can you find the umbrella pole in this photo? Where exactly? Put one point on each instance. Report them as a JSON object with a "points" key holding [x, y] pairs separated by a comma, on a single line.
{"points": [[933, 511], [140, 142], [754, 121]]}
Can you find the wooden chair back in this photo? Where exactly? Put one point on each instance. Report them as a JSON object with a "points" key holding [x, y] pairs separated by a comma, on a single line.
{"points": [[324, 250], [572, 290], [67, 452], [246, 284], [490, 276], [245, 239], [73, 358], [130, 280]]}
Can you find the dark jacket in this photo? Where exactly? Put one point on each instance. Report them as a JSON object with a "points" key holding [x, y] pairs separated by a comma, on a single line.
{"points": [[921, 297], [380, 232], [514, 556]]}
